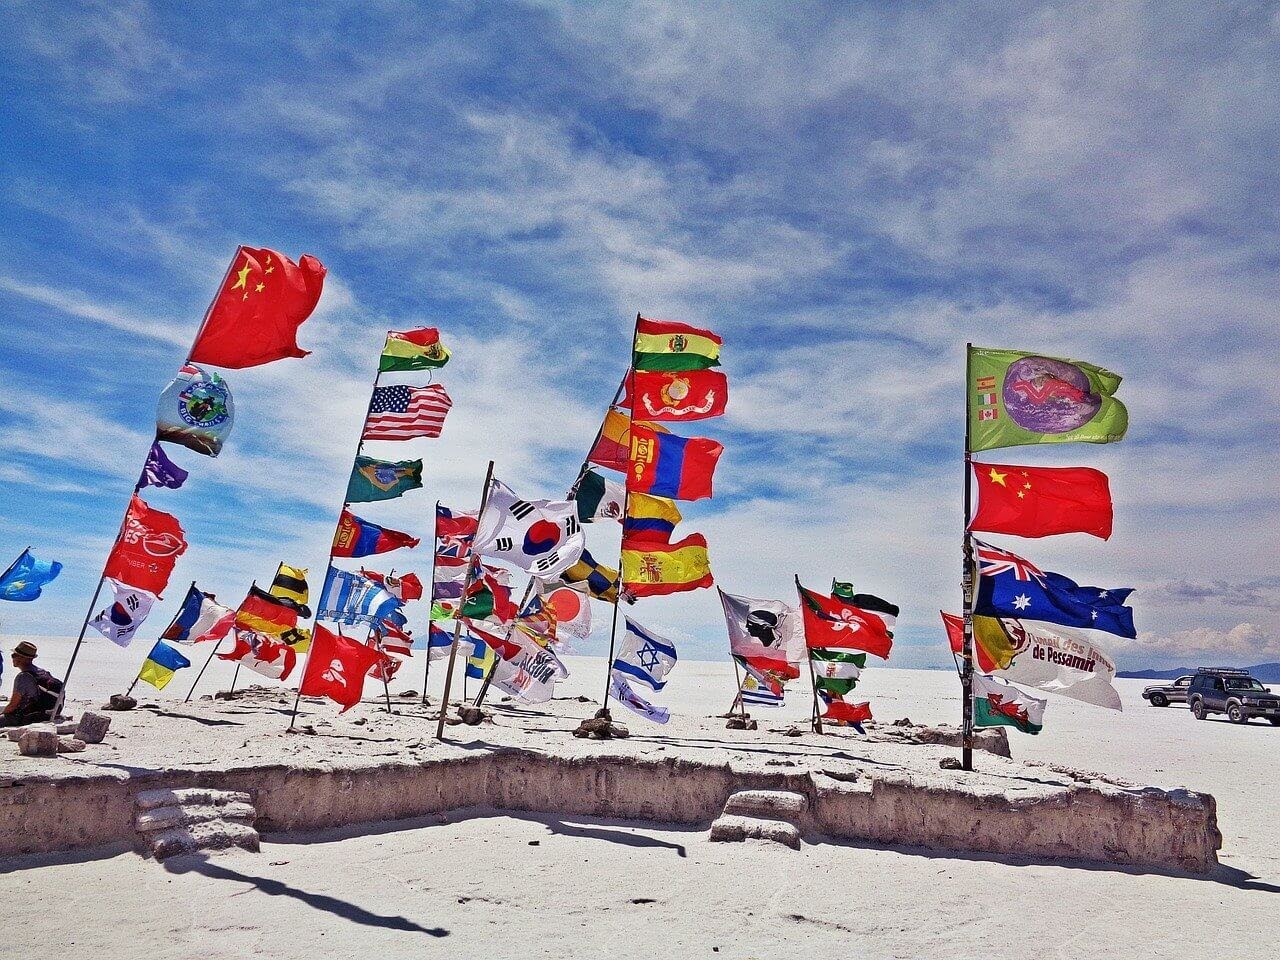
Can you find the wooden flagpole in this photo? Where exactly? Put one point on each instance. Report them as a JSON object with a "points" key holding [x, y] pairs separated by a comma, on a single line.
{"points": [[102, 577], [815, 717], [738, 701], [626, 503], [457, 623], [212, 653], [293, 719], [431, 600], [966, 579]]}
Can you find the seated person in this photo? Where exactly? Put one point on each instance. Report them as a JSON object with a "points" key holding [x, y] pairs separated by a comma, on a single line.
{"points": [[35, 690]]}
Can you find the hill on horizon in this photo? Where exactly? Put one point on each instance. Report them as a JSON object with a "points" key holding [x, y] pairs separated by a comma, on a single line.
{"points": [[1265, 672]]}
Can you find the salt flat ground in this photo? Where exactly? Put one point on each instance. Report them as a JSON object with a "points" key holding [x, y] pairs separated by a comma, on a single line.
{"points": [[478, 883]]}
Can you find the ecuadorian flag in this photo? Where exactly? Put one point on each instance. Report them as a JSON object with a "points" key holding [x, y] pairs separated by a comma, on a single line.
{"points": [[650, 518], [161, 664]]}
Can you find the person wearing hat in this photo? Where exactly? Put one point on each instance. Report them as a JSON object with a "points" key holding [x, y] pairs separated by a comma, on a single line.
{"points": [[35, 690]]}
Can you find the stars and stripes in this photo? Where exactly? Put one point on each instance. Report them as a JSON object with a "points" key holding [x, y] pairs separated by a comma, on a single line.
{"points": [[402, 413]]}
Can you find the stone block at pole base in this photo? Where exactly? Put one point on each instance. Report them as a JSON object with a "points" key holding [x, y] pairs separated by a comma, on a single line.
{"points": [[38, 743], [92, 727]]}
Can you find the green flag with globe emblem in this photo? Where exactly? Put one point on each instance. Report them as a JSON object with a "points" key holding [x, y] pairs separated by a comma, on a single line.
{"points": [[1018, 398]]}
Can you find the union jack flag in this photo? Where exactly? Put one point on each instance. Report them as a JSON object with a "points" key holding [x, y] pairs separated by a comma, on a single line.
{"points": [[993, 561]]}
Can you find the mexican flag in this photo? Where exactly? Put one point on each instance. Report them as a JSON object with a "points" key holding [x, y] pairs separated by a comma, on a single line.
{"points": [[598, 498], [1000, 704]]}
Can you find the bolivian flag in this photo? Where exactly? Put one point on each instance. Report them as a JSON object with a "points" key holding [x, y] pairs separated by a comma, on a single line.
{"points": [[667, 345], [161, 664], [654, 569], [413, 350]]}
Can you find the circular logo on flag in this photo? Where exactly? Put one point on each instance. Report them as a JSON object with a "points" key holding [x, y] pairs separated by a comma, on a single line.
{"points": [[542, 535], [1045, 395], [566, 604], [203, 403], [161, 544]]}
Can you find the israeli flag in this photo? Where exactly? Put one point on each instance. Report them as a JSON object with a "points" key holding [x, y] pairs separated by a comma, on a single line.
{"points": [[351, 598], [645, 656]]}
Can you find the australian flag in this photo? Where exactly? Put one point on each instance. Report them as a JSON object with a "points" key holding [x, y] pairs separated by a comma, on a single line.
{"points": [[1009, 586]]}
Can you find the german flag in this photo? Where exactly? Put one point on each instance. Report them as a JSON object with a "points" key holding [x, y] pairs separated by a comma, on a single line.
{"points": [[290, 588], [263, 613]]}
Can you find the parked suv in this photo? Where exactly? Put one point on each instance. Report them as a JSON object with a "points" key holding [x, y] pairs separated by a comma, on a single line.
{"points": [[1233, 692], [1163, 694]]}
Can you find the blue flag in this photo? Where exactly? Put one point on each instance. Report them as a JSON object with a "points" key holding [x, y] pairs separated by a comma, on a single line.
{"points": [[1009, 586], [351, 598], [160, 471], [26, 576]]}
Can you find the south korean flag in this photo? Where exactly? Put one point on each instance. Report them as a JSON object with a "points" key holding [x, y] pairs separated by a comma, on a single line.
{"points": [[542, 537]]}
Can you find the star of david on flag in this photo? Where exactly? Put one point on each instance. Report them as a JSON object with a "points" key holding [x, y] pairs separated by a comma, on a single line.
{"points": [[644, 656]]}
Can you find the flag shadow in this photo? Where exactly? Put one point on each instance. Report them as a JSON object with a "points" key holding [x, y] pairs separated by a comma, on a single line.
{"points": [[324, 903]]}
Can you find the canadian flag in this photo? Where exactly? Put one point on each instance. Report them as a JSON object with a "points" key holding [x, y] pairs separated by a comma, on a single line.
{"points": [[337, 668]]}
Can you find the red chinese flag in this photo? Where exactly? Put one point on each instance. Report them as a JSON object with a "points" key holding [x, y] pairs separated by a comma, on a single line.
{"points": [[149, 545], [680, 395], [834, 622], [337, 668], [256, 315], [1041, 501]]}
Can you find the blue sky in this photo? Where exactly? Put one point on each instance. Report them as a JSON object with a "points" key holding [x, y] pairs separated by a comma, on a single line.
{"points": [[847, 192]]}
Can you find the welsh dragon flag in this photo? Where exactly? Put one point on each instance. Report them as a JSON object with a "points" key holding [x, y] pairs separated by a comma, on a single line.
{"points": [[1000, 704]]}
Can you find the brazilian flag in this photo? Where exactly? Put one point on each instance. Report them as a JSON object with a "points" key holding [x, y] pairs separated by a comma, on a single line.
{"points": [[382, 479]]}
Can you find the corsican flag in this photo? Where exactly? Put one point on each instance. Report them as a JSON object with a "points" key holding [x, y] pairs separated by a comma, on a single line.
{"points": [[542, 537], [351, 598], [645, 656]]}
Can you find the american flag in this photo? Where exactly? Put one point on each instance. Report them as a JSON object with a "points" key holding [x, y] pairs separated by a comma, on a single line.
{"points": [[401, 413]]}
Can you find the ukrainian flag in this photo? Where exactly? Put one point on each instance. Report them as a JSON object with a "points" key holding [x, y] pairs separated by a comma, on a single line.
{"points": [[161, 664]]}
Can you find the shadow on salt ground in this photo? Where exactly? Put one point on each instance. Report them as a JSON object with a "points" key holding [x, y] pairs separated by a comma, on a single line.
{"points": [[1225, 875], [206, 721], [32, 861], [610, 831], [317, 901]]}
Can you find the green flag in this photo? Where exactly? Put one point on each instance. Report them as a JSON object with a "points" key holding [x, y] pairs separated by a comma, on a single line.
{"points": [[1017, 398], [382, 479], [836, 671]]}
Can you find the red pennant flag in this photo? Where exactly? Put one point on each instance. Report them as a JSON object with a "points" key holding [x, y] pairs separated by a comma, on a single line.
{"points": [[1041, 501], [835, 622], [256, 315], [955, 636], [337, 668], [676, 395], [149, 545], [841, 711]]}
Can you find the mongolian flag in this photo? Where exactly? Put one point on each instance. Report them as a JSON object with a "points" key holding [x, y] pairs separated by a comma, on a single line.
{"points": [[337, 667], [668, 345], [688, 395], [1041, 501], [360, 538], [413, 350], [655, 569], [161, 664], [1017, 398], [613, 448], [290, 588], [665, 465], [263, 613], [149, 545], [373, 479], [650, 518], [256, 315], [836, 622]]}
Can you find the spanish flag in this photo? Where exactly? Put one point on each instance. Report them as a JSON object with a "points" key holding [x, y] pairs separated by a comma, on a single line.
{"points": [[161, 664], [667, 345], [654, 569], [413, 350]]}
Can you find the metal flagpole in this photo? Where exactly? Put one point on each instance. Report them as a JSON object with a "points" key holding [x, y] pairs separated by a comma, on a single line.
{"points": [[431, 600], [966, 580], [738, 701], [212, 654], [626, 503], [815, 715], [75, 651], [386, 684], [329, 565], [457, 623]]}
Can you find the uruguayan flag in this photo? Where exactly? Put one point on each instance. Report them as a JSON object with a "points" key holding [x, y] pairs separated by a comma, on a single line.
{"points": [[645, 656], [351, 598]]}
